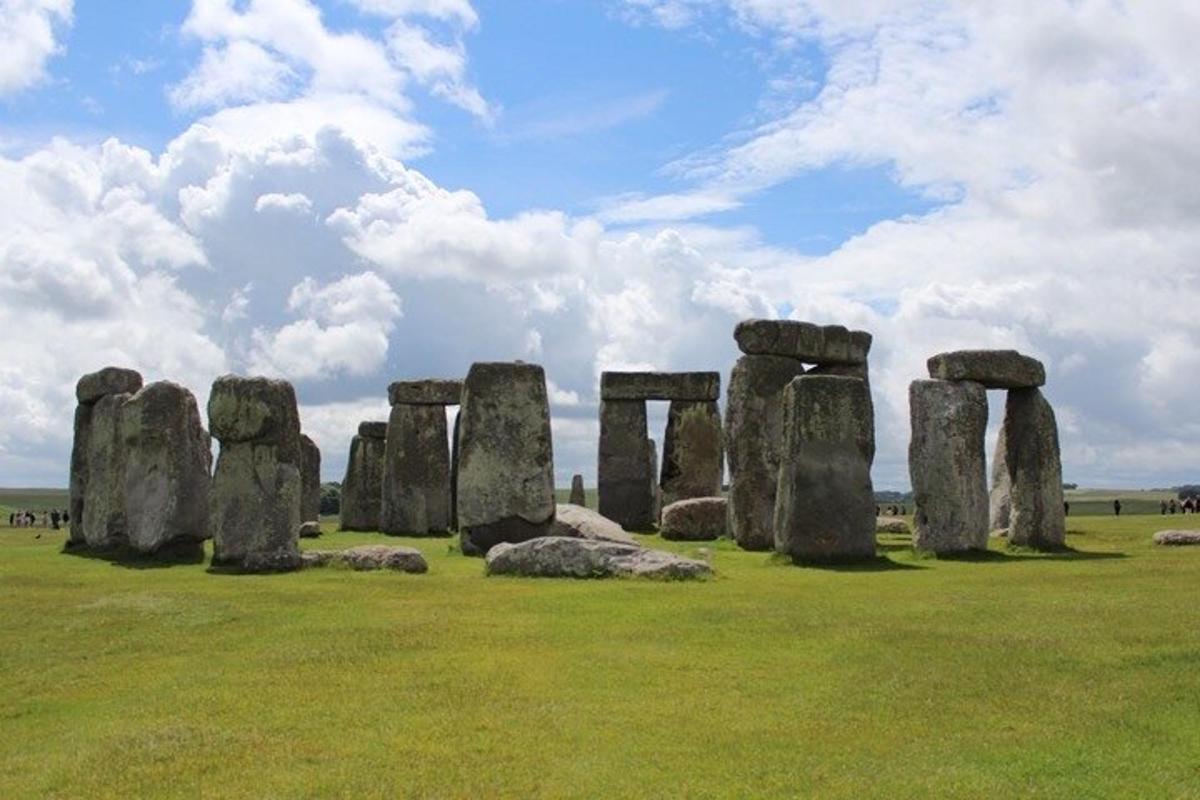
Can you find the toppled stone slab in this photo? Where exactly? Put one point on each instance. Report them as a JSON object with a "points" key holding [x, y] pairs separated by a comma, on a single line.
{"points": [[995, 369], [562, 557], [660, 385], [891, 525], [578, 497], [1177, 538], [370, 557], [310, 529], [804, 341], [431, 392], [372, 430], [695, 520], [582, 523], [110, 380]]}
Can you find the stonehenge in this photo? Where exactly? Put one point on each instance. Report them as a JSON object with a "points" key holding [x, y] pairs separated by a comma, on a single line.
{"points": [[693, 457], [695, 520], [954, 509], [310, 481], [578, 497], [505, 456], [362, 487], [256, 487], [417, 492]]}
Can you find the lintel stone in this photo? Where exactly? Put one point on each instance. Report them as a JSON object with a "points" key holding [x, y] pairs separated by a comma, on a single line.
{"points": [[660, 385]]}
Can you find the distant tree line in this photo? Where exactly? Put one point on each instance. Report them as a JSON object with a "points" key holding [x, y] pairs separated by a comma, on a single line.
{"points": [[1186, 491], [331, 499]]}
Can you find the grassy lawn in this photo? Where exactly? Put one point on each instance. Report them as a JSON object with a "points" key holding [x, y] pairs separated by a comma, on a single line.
{"points": [[1071, 675]]}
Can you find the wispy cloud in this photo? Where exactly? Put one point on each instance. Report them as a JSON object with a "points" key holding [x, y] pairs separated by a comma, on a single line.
{"points": [[581, 116]]}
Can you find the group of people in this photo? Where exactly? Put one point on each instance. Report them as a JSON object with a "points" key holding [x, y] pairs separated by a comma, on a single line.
{"points": [[892, 511], [1189, 505], [30, 519]]}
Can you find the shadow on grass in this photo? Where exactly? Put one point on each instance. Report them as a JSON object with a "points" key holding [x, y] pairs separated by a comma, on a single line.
{"points": [[129, 559], [1015, 555], [881, 563]]}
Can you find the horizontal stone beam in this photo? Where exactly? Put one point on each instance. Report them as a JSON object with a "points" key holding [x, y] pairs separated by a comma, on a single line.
{"points": [[660, 385], [110, 380], [804, 341], [431, 392], [995, 369]]}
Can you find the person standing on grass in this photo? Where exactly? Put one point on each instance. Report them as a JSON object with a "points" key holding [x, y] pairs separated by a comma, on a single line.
{"points": [[1171, 505], [1066, 509], [1117, 507], [54, 518]]}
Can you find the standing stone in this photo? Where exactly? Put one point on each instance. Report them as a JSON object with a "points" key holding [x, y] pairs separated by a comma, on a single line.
{"points": [[652, 475], [255, 497], [1037, 518], [999, 501], [825, 503], [104, 520], [416, 472], [578, 497], [947, 465], [78, 477], [168, 455], [692, 455], [625, 474], [310, 480], [362, 488], [454, 471], [753, 439], [506, 457], [860, 371]]}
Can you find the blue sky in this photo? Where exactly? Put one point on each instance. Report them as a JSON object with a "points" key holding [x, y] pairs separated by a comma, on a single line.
{"points": [[352, 191]]}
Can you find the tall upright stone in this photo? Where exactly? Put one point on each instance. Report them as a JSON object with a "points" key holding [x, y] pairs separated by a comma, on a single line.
{"points": [[416, 472], [454, 470], [362, 488], [506, 457], [310, 480], [999, 499], [947, 466], [825, 502], [168, 457], [625, 477], [1034, 462], [753, 439], [692, 453], [104, 519], [578, 496], [256, 488]]}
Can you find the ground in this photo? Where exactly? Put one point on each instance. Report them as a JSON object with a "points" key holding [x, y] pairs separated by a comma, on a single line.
{"points": [[1067, 675]]}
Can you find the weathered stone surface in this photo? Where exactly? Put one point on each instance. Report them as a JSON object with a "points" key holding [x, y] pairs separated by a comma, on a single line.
{"points": [[946, 463], [999, 499], [370, 557], [454, 470], [860, 371], [78, 476], [104, 519], [692, 453], [110, 380], [804, 341], [310, 480], [563, 557], [660, 385], [256, 487], [168, 456], [578, 496], [506, 457], [1177, 538], [583, 523], [416, 472], [258, 410], [625, 476], [362, 488], [372, 430], [825, 502], [430, 392], [891, 525], [753, 438], [695, 520], [310, 529], [995, 369], [1037, 518]]}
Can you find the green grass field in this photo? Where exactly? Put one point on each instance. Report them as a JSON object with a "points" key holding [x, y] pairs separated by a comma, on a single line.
{"points": [[1069, 675]]}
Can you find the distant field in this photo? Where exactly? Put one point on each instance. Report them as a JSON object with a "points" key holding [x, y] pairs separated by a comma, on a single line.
{"points": [[32, 500]]}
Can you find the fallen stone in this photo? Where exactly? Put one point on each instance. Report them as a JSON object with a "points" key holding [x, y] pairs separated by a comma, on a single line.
{"points": [[693, 457], [804, 341], [505, 489], [753, 438], [825, 503], [362, 488], [1037, 518], [310, 480], [370, 557], [946, 465], [578, 496], [891, 525], [310, 529], [372, 430], [694, 520], [626, 480], [1177, 538], [995, 369], [660, 385], [110, 380], [168, 457], [582, 523], [563, 557], [431, 392], [416, 472]]}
